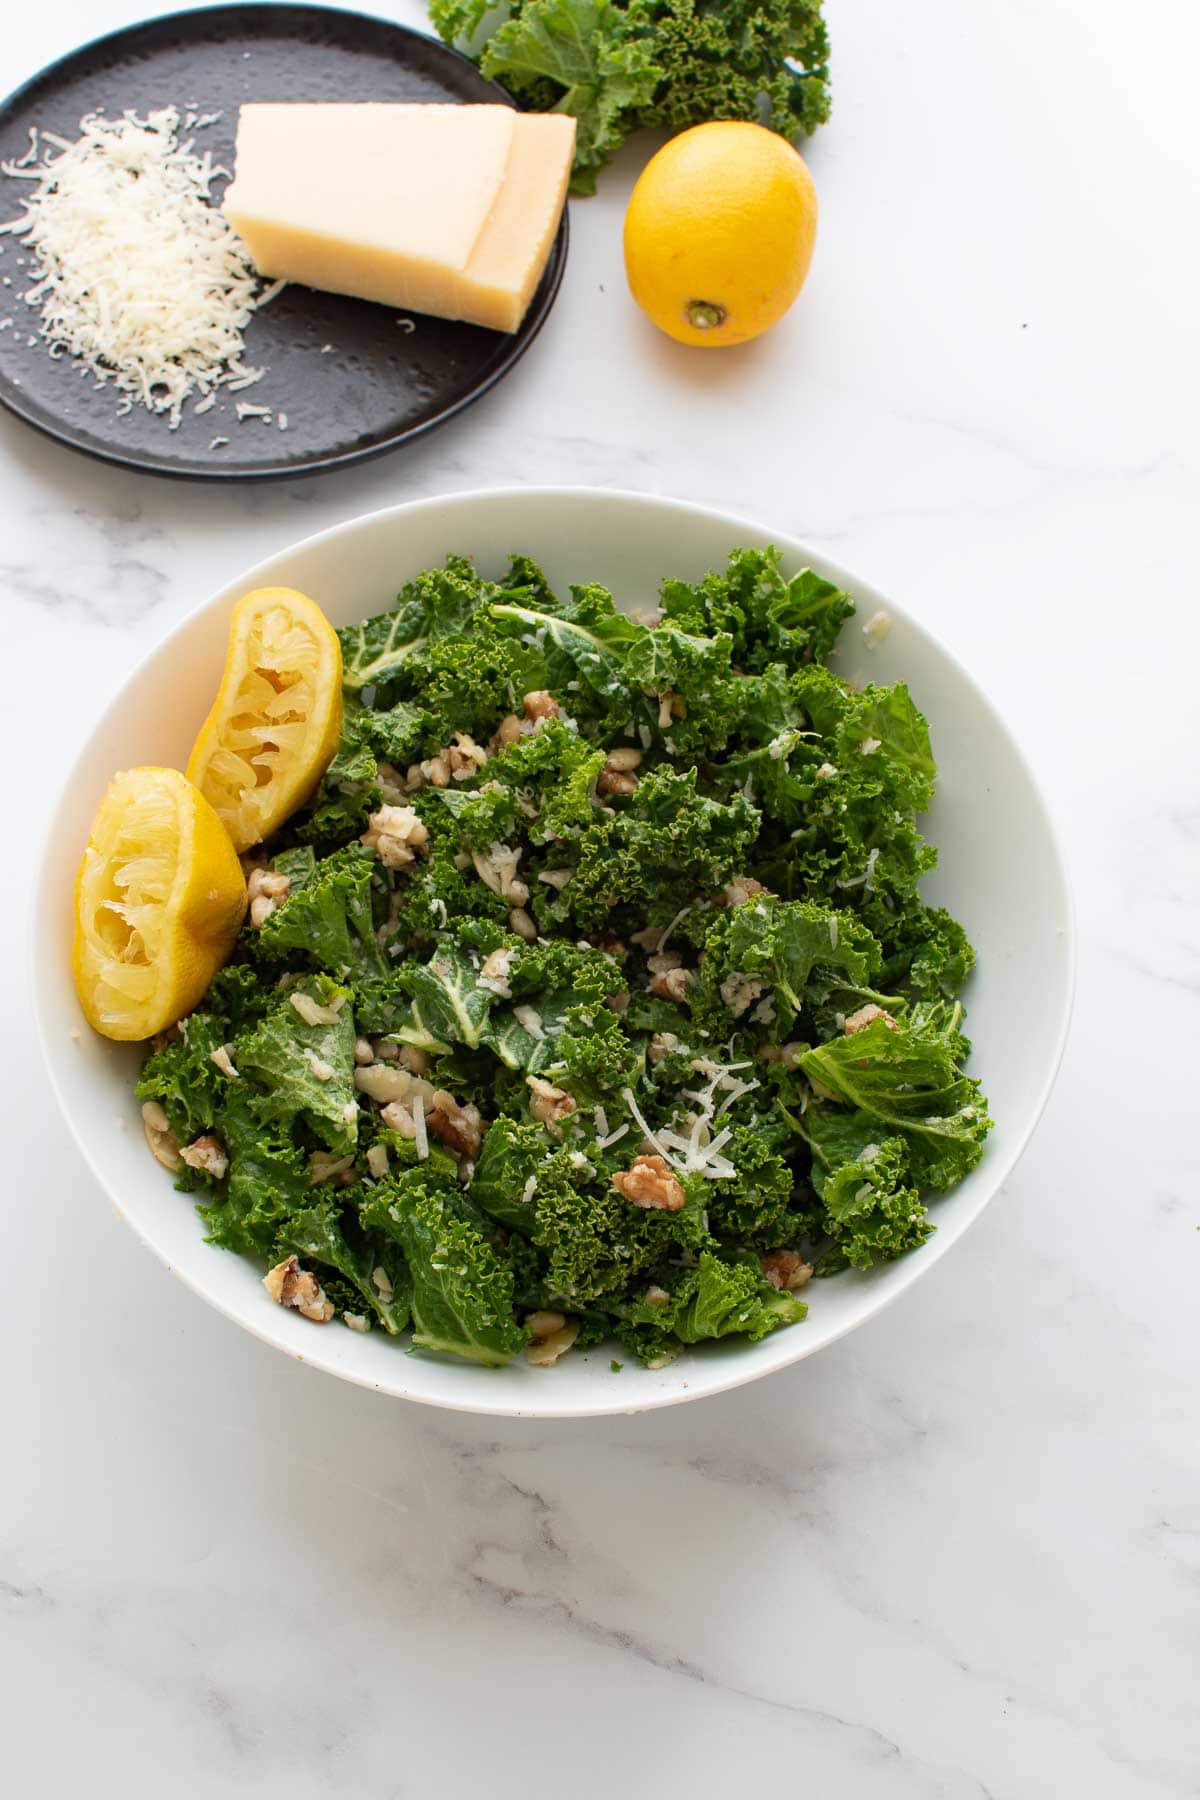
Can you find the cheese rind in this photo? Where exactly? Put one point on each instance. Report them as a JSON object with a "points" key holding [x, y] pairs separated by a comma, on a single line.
{"points": [[514, 245], [438, 209]]}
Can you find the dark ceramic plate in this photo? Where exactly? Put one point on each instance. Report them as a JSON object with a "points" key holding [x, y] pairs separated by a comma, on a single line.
{"points": [[379, 385]]}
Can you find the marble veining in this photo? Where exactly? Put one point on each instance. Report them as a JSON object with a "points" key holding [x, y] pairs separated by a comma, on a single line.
{"points": [[956, 1556]]}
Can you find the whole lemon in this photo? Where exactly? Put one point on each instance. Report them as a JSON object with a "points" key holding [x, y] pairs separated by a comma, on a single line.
{"points": [[719, 233]]}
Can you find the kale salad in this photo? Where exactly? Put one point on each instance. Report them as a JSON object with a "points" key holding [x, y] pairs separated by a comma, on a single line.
{"points": [[592, 995]]}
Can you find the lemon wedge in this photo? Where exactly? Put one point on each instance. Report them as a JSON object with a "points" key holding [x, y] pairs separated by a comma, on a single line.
{"points": [[158, 901], [277, 718]]}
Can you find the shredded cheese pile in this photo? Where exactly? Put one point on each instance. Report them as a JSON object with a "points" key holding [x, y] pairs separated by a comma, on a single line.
{"points": [[135, 271]]}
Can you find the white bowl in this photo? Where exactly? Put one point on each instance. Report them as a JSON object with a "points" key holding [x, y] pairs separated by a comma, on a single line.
{"points": [[1001, 873]]}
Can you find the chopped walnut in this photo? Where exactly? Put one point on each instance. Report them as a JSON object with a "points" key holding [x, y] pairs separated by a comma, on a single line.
{"points": [[207, 1154], [398, 1116], [290, 1285], [540, 704], [392, 784], [265, 890], [460, 1128], [549, 1105], [785, 1270], [386, 1082], [408, 1056], [667, 978], [551, 1336], [508, 731], [661, 1045], [648, 938], [496, 867], [788, 1054], [650, 1183], [867, 1015], [618, 1002], [396, 835], [164, 1146], [740, 991], [739, 890], [323, 1167], [364, 1052], [520, 922], [465, 757], [617, 776], [495, 972], [436, 770], [655, 1296], [312, 1012]]}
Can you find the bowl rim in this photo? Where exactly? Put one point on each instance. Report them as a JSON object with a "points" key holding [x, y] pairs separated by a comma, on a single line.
{"points": [[790, 1347]]}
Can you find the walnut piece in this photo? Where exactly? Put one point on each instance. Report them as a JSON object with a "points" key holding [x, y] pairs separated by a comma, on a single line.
{"points": [[396, 835], [323, 1166], [164, 1147], [740, 992], [540, 704], [537, 706], [207, 1154], [290, 1285], [867, 1015], [785, 1270], [617, 776], [650, 1183], [520, 922], [460, 1128], [548, 1104], [266, 890], [496, 867], [551, 1336], [739, 890], [668, 980], [465, 757], [661, 1045]]}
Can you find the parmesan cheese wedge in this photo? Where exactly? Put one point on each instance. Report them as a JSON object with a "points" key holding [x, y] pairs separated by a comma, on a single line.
{"points": [[448, 210]]}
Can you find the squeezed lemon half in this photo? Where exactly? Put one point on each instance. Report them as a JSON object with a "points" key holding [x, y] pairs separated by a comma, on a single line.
{"points": [[275, 723], [159, 899]]}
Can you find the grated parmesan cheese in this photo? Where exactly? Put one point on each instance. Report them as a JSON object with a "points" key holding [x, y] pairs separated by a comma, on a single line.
{"points": [[135, 271]]}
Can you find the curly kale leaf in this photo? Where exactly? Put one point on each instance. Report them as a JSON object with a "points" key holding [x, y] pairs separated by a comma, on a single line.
{"points": [[447, 1001], [871, 1213], [715, 1299], [794, 950], [269, 1178], [899, 1082], [769, 616], [439, 603], [759, 1207], [595, 1241], [586, 637], [183, 1078], [462, 1292], [720, 60], [583, 53], [620, 64], [305, 1072], [328, 922], [505, 1177], [326, 1234]]}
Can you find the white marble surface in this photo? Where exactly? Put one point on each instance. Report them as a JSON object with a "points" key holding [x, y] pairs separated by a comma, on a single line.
{"points": [[957, 1555]]}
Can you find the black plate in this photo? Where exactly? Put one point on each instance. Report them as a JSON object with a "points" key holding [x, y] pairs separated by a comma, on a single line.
{"points": [[378, 386]]}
